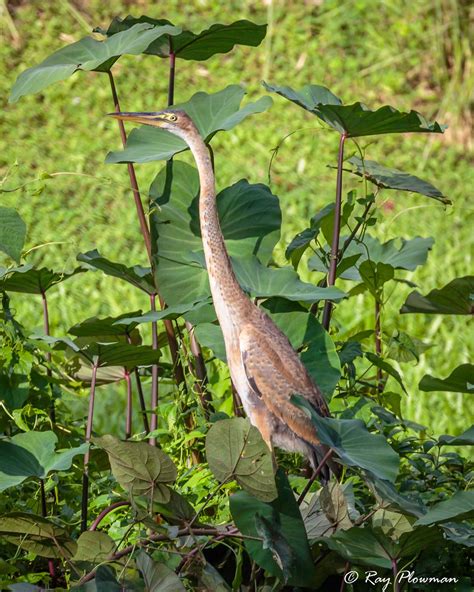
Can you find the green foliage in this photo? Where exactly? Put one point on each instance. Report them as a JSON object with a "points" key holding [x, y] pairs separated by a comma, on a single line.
{"points": [[205, 502]]}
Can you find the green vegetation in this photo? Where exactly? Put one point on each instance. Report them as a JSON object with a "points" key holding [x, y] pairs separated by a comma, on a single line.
{"points": [[376, 299]]}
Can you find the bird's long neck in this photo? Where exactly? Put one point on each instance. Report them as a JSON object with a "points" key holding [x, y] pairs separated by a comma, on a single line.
{"points": [[226, 291]]}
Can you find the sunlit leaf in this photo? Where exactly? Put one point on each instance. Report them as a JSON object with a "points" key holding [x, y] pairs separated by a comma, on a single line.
{"points": [[12, 233], [355, 120], [388, 178], [195, 46], [29, 280], [87, 54], [32, 454], [457, 297], [461, 380], [236, 450], [211, 113]]}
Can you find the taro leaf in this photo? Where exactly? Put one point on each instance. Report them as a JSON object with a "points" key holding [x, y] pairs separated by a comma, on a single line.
{"points": [[170, 312], [459, 533], [275, 542], [211, 113], [32, 454], [28, 280], [94, 546], [459, 506], [36, 534], [360, 546], [139, 468], [264, 282], [387, 493], [236, 450], [385, 177], [138, 276], [12, 233], [87, 54], [113, 326], [386, 367], [356, 120], [461, 380], [157, 577], [457, 297], [210, 335], [284, 516], [121, 354], [319, 355], [375, 275], [302, 240], [466, 438], [196, 46], [250, 219], [353, 443]]}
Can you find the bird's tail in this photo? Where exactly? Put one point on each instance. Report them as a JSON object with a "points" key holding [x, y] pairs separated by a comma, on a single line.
{"points": [[318, 452]]}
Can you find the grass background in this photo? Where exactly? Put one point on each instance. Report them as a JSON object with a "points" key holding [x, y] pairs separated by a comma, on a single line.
{"points": [[410, 54]]}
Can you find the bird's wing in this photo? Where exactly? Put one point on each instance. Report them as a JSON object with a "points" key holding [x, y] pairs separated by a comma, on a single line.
{"points": [[270, 380]]}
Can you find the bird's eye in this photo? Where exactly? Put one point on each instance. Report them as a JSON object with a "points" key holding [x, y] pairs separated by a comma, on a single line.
{"points": [[172, 117]]}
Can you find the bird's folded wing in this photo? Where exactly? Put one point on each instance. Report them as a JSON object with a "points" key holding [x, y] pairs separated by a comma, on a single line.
{"points": [[263, 368]]}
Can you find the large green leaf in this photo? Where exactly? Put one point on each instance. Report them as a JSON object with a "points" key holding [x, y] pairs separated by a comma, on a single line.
{"points": [[121, 354], [236, 450], [157, 577], [36, 534], [461, 380], [210, 112], [353, 443], [87, 54], [12, 233], [195, 46], [459, 506], [168, 313], [388, 178], [355, 120], [457, 297], [140, 469], [250, 219], [281, 532], [138, 276], [305, 333], [113, 326], [29, 280], [32, 454], [94, 546]]}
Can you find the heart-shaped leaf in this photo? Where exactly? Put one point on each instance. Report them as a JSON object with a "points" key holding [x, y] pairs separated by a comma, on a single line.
{"points": [[250, 220], [158, 577], [29, 280], [388, 178], [283, 545], [210, 112], [461, 380], [140, 469], [235, 450], [353, 443], [195, 46], [32, 454], [355, 120], [36, 534], [457, 297], [12, 233], [138, 276], [94, 546], [87, 54]]}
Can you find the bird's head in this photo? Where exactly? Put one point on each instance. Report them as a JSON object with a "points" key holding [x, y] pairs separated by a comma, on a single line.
{"points": [[172, 120]]}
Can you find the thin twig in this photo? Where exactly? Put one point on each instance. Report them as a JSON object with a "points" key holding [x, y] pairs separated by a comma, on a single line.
{"points": [[318, 469], [106, 511]]}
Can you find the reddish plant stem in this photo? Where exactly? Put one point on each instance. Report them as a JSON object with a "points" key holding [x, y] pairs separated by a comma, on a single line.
{"points": [[106, 511], [128, 417], [52, 408], [171, 78], [343, 580], [396, 583], [51, 568], [319, 468], [336, 232], [141, 400], [378, 342], [85, 474], [154, 376]]}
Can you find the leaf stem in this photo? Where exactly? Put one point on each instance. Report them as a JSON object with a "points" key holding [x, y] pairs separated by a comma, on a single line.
{"points": [[318, 469], [128, 418], [336, 232], [106, 511], [51, 568], [52, 409], [171, 78], [154, 375], [85, 474]]}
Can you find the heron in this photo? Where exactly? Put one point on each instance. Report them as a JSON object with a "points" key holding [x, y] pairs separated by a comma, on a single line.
{"points": [[265, 369]]}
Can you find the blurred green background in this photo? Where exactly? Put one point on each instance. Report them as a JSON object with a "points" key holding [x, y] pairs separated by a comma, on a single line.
{"points": [[407, 53]]}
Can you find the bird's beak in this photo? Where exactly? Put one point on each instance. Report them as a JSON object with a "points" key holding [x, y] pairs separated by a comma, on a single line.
{"points": [[152, 118]]}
